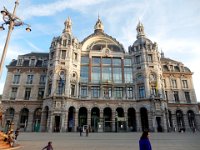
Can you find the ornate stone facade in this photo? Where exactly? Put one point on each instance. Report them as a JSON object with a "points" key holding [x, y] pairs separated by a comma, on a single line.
{"points": [[95, 83]]}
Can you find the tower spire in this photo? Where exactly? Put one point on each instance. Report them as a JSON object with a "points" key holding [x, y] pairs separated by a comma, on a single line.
{"points": [[140, 30], [98, 26], [68, 26]]}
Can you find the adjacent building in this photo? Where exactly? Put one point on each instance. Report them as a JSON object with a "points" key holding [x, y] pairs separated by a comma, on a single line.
{"points": [[98, 84]]}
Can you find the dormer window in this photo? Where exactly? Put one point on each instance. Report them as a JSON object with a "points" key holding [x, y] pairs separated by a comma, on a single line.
{"points": [[19, 63], [32, 62]]}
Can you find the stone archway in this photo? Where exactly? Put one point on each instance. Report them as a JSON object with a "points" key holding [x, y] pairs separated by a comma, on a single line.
{"points": [[71, 119], [9, 117], [37, 119], [180, 120], [95, 115], [82, 116], [120, 124], [132, 124], [191, 119], [24, 118], [107, 115], [144, 118]]}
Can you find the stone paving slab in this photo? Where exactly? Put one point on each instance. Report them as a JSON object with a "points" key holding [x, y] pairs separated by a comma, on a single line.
{"points": [[109, 141]]}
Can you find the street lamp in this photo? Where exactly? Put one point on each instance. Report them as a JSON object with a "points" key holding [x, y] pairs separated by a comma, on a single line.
{"points": [[13, 21]]}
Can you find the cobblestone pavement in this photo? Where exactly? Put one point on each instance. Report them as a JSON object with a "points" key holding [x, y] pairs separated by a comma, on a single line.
{"points": [[109, 141]]}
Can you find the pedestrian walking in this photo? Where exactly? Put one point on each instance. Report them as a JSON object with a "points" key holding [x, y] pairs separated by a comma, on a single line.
{"points": [[49, 146], [144, 142], [80, 130], [87, 131]]}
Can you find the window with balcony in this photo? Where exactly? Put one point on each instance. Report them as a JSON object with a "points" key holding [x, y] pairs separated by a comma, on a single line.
{"points": [[32, 62], [141, 91], [129, 92], [95, 91], [118, 92], [29, 79], [187, 97], [13, 93], [107, 92], [40, 93], [16, 79], [72, 90], [83, 91], [27, 93], [174, 84], [42, 79], [185, 84], [176, 97]]}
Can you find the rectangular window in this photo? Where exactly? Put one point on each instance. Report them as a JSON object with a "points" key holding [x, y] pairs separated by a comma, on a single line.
{"points": [[116, 61], [84, 60], [129, 92], [106, 61], [107, 92], [72, 90], [60, 86], [141, 92], [75, 56], [27, 93], [137, 59], [13, 93], [149, 58], [16, 79], [83, 91], [96, 74], [176, 97], [45, 63], [84, 74], [118, 92], [117, 75], [127, 62], [128, 75], [185, 84], [42, 79], [63, 54], [107, 74], [174, 84], [96, 61], [95, 91], [40, 93], [29, 79], [64, 42], [187, 97]]}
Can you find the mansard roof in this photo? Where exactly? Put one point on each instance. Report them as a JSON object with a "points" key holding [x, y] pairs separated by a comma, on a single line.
{"points": [[36, 54]]}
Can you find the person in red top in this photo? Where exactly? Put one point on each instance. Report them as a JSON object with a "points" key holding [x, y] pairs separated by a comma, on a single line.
{"points": [[49, 146]]}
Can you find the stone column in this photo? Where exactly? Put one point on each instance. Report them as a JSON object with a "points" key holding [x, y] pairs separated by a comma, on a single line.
{"points": [[186, 122], [113, 120], [89, 117], [66, 121], [76, 120], [138, 120], [50, 122], [63, 117]]}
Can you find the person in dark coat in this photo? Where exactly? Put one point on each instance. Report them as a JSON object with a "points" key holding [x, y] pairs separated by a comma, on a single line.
{"points": [[49, 146], [144, 142]]}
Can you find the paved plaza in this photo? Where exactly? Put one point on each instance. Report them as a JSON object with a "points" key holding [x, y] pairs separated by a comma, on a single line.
{"points": [[109, 141]]}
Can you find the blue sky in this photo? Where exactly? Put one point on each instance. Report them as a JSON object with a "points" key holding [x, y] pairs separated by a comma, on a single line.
{"points": [[174, 25]]}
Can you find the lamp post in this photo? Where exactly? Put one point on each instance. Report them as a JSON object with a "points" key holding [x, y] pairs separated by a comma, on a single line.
{"points": [[13, 21]]}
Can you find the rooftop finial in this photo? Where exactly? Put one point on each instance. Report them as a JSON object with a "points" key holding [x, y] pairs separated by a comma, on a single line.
{"points": [[99, 25], [140, 30], [68, 26]]}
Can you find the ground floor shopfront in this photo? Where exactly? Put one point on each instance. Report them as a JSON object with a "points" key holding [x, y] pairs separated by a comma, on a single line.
{"points": [[68, 115]]}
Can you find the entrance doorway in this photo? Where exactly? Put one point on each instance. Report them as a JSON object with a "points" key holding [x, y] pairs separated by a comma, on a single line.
{"points": [[159, 127], [57, 124]]}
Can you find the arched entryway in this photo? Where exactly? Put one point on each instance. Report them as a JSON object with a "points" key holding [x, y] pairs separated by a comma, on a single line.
{"points": [[132, 125], [37, 119], [120, 124], [82, 117], [191, 120], [46, 116], [107, 115], [144, 118], [24, 118], [180, 120], [71, 119], [9, 116], [95, 114]]}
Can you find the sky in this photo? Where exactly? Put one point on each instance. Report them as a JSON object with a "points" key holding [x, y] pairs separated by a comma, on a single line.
{"points": [[174, 25]]}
